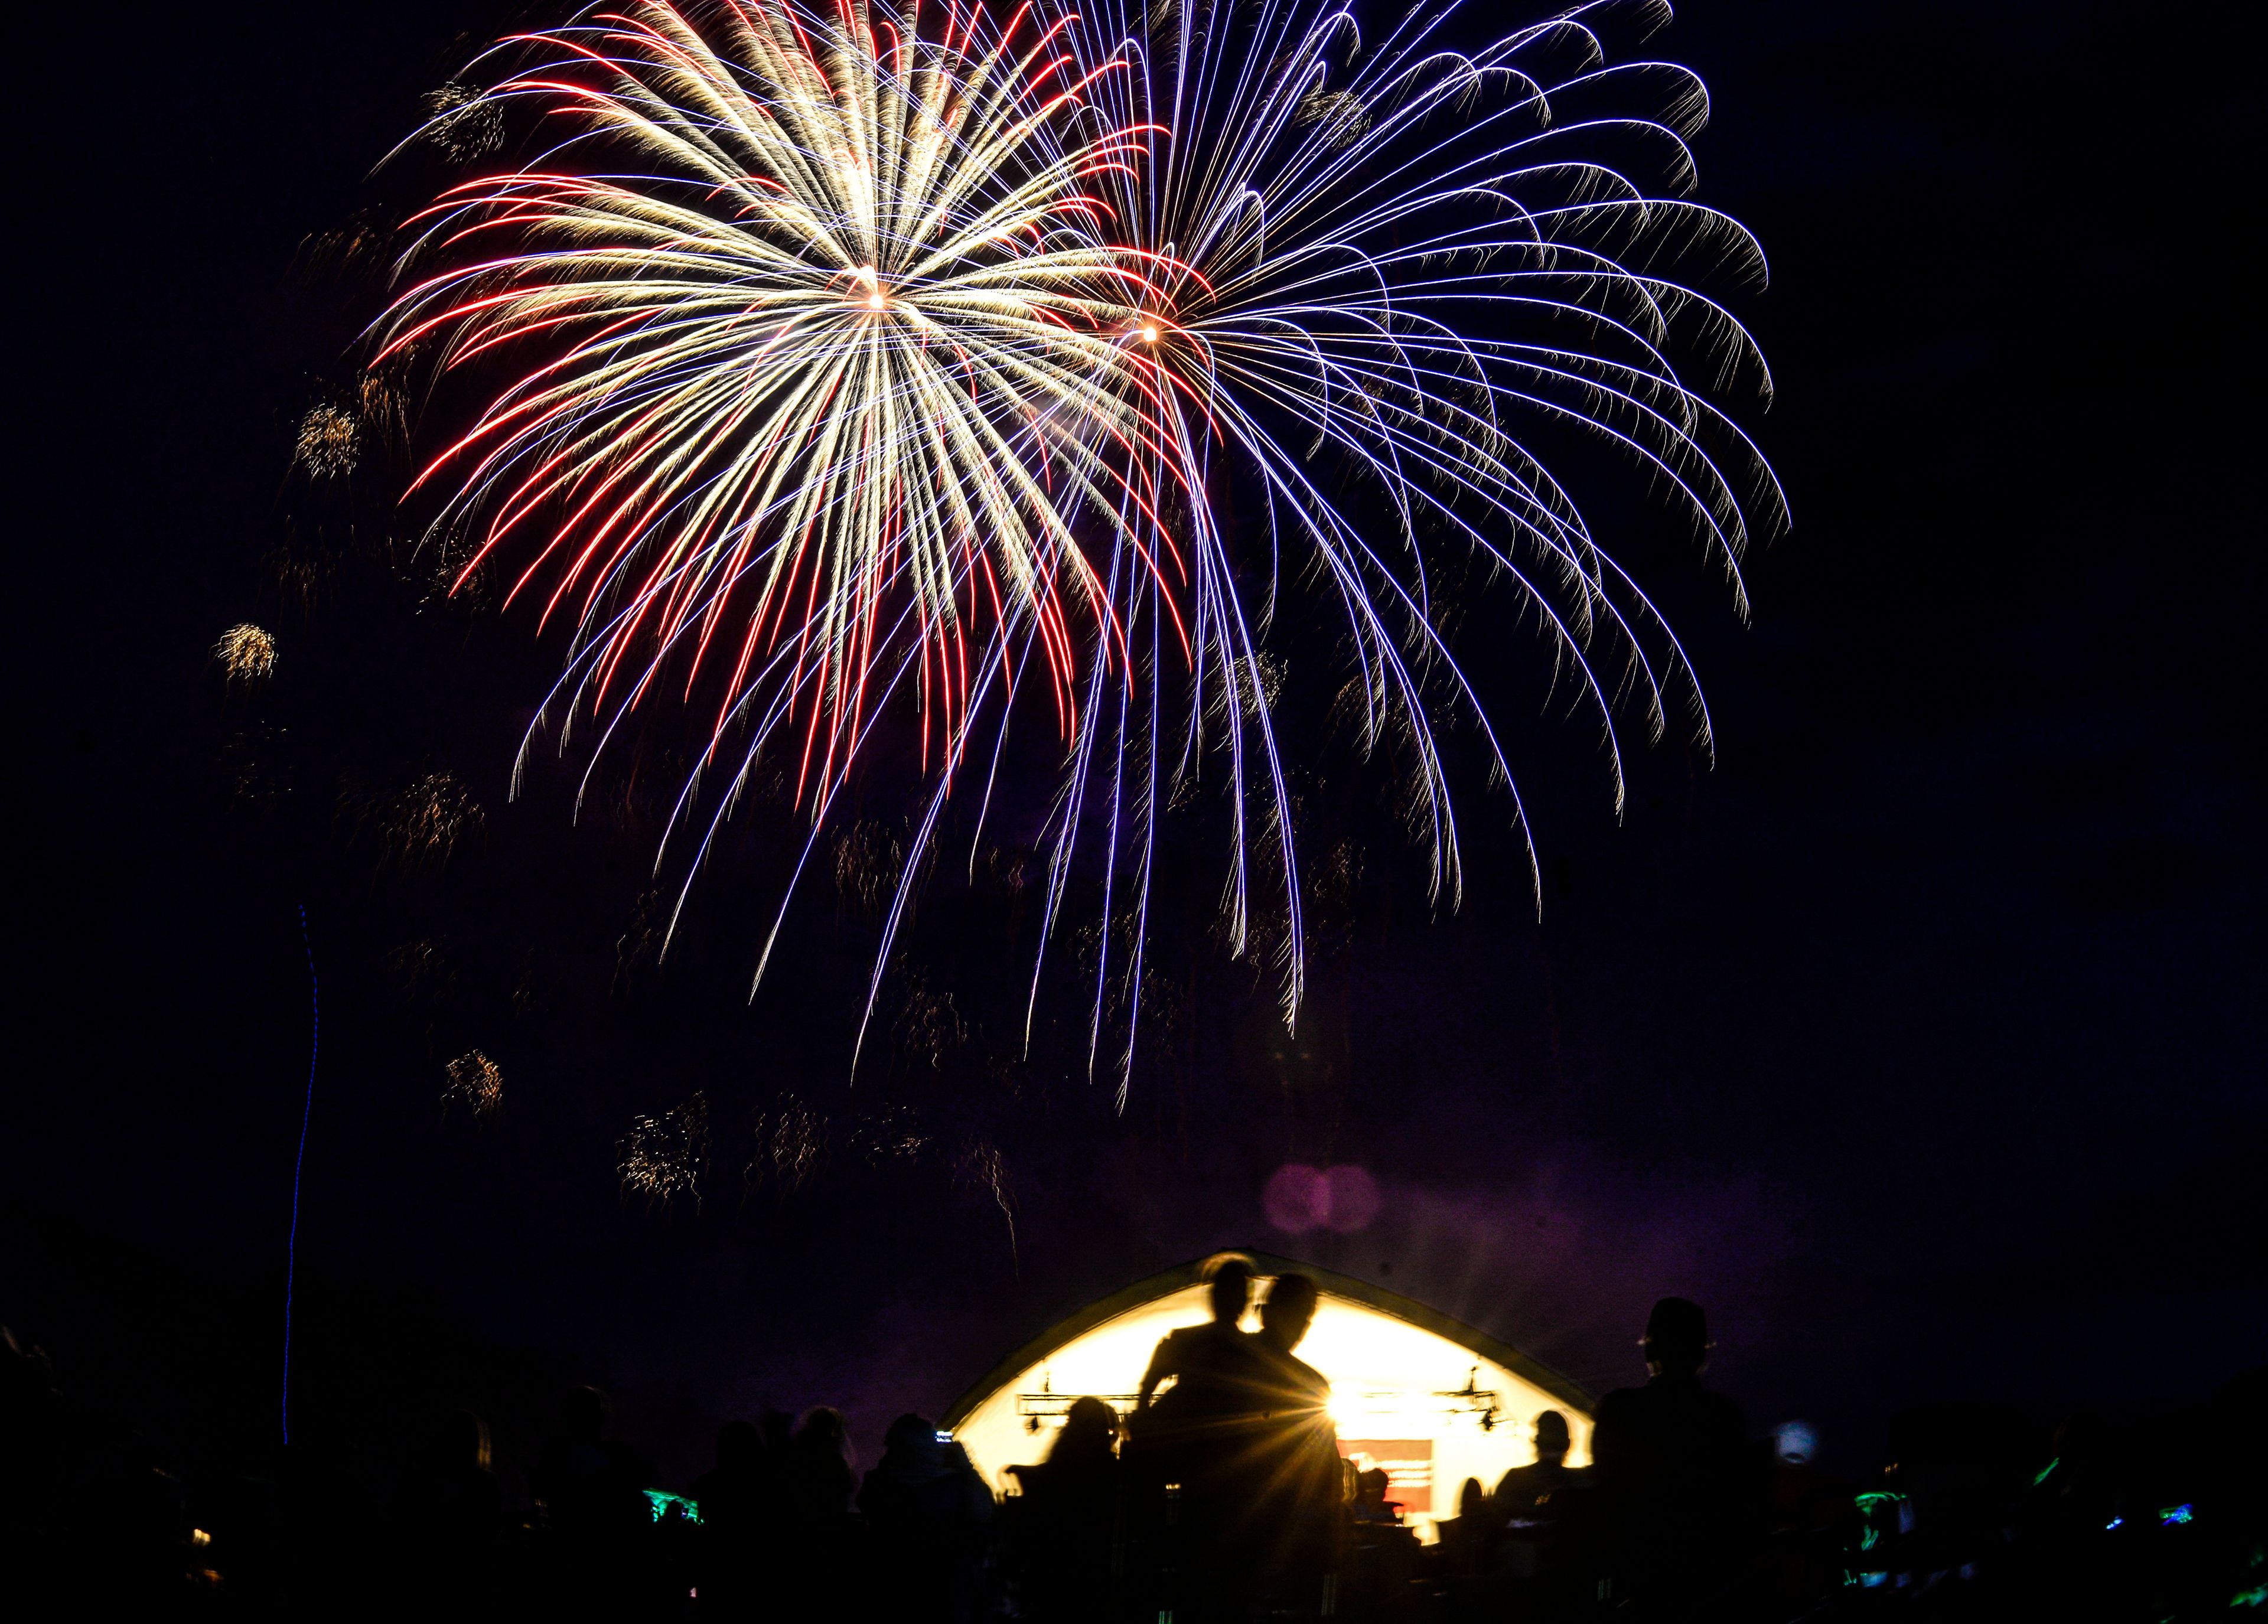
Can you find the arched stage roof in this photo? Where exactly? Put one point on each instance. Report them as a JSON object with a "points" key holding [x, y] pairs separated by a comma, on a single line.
{"points": [[1414, 1392]]}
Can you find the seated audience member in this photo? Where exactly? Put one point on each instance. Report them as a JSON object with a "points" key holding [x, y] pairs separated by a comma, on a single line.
{"points": [[741, 1505], [447, 1516], [1068, 1516], [927, 1509], [1370, 1502], [821, 1478], [591, 1489], [1522, 1491]]}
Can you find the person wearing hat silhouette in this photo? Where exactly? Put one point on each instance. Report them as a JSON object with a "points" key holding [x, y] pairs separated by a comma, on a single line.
{"points": [[1669, 1459]]}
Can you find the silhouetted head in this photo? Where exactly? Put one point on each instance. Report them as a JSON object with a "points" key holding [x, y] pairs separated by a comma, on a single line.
{"points": [[911, 1441], [583, 1416], [1677, 1338], [740, 1446], [822, 1430], [1229, 1274], [1551, 1437], [1090, 1429], [1369, 1486], [1472, 1499], [1288, 1312]]}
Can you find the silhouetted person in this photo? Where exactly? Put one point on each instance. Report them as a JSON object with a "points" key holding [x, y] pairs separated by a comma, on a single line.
{"points": [[1808, 1524], [1472, 1499], [1285, 1534], [592, 1491], [741, 1505], [447, 1518], [33, 1452], [820, 1479], [1463, 1541], [1067, 1517], [1529, 1511], [1370, 1489], [1180, 1441], [927, 1509], [1522, 1491], [1675, 1495], [1200, 1358], [821, 1568]]}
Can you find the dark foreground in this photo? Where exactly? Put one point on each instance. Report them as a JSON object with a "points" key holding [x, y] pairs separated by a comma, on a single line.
{"points": [[1979, 1517]]}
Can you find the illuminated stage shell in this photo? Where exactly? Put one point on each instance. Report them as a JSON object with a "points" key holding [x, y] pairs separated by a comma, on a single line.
{"points": [[1430, 1400]]}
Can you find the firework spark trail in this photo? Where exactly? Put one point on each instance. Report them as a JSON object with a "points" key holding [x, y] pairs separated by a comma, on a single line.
{"points": [[782, 411], [863, 362], [1401, 256]]}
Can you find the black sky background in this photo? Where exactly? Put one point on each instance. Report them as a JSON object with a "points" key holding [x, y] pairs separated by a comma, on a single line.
{"points": [[1918, 1039]]}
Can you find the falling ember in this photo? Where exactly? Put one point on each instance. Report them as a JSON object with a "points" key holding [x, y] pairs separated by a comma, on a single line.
{"points": [[245, 653], [475, 1082]]}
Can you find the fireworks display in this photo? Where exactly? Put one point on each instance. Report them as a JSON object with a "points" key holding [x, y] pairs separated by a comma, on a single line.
{"points": [[246, 653], [831, 363]]}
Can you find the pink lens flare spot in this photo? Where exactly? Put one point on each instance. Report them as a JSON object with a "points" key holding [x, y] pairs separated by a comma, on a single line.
{"points": [[1297, 1198], [1350, 1198]]}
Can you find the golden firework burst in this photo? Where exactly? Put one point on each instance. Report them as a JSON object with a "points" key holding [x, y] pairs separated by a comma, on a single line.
{"points": [[245, 653], [476, 1083]]}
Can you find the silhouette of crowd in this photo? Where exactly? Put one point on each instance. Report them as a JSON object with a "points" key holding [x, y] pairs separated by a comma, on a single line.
{"points": [[1219, 1497]]}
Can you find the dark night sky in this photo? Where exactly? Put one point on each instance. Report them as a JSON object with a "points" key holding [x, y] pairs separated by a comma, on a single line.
{"points": [[1919, 1038]]}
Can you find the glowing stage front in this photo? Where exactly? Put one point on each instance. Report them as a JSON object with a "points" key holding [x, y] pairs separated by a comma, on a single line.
{"points": [[1432, 1402]]}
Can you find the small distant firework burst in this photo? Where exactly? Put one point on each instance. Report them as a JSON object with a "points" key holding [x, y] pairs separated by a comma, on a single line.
{"points": [[428, 822], [246, 653], [330, 443], [476, 1084], [462, 122], [790, 1144], [665, 1156], [836, 361]]}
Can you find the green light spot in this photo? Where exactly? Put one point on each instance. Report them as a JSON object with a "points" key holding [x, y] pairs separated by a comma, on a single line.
{"points": [[660, 1500]]}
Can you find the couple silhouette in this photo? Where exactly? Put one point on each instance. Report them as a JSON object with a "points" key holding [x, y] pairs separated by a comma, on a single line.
{"points": [[1232, 1438]]}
